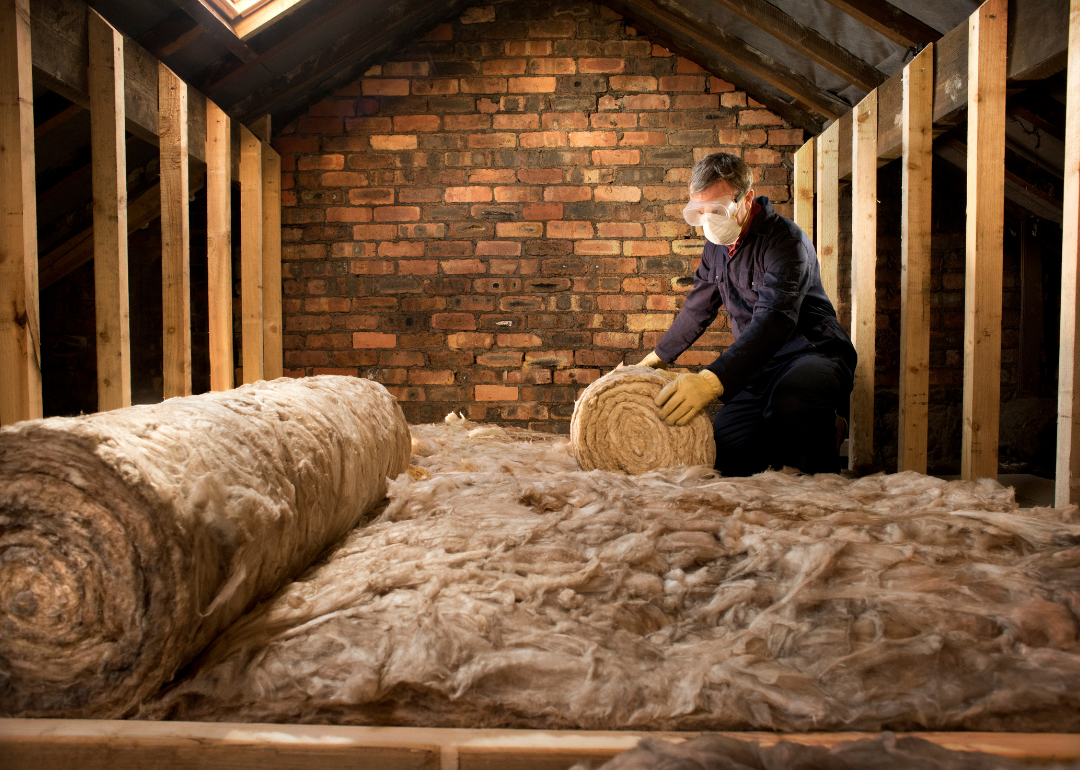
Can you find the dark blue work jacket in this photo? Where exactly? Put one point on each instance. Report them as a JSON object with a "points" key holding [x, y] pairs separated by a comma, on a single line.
{"points": [[775, 302]]}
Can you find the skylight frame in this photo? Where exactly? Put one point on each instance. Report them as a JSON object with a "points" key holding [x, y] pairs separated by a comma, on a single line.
{"points": [[249, 17]]}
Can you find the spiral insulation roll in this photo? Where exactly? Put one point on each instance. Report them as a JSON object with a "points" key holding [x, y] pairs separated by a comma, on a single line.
{"points": [[617, 427], [130, 539]]}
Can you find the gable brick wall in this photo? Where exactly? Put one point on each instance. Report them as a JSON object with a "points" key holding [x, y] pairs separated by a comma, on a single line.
{"points": [[491, 219]]}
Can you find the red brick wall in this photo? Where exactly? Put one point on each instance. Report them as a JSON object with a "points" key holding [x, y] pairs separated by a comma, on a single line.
{"points": [[490, 220]]}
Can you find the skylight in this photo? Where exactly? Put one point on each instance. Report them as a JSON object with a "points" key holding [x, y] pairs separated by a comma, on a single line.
{"points": [[248, 17]]}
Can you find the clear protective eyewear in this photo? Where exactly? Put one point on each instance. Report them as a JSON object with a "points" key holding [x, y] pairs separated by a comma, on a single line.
{"points": [[694, 213]]}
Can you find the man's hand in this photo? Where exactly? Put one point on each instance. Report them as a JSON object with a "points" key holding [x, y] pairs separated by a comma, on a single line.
{"points": [[688, 394], [653, 362]]}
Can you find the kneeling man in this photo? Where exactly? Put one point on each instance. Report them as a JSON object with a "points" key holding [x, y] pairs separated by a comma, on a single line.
{"points": [[788, 374]]}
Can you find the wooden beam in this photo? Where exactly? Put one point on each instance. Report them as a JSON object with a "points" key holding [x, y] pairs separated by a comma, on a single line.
{"points": [[20, 340], [915, 226], [804, 189], [261, 128], [60, 56], [808, 42], [219, 245], [109, 160], [863, 279], [828, 211], [988, 32], [175, 263], [251, 255], [217, 28], [273, 354], [1067, 478], [729, 47], [170, 35], [888, 20]]}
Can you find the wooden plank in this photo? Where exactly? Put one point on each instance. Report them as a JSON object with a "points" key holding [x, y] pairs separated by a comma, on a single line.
{"points": [[219, 245], [20, 340], [828, 211], [804, 188], [863, 279], [251, 255], [988, 29], [808, 42], [261, 128], [109, 159], [273, 355], [93, 744], [1067, 477], [915, 226], [217, 28], [888, 20], [175, 264], [250, 25]]}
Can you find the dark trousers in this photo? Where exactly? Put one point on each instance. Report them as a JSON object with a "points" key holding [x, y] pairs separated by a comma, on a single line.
{"points": [[785, 416]]}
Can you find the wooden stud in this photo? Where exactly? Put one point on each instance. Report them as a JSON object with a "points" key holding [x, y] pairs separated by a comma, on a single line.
{"points": [[828, 210], [20, 341], [273, 364], [918, 138], [863, 278], [988, 32], [175, 264], [261, 128], [804, 188], [109, 159], [251, 254], [1067, 487], [219, 245]]}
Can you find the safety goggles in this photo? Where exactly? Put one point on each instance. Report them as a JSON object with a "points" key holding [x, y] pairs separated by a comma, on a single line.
{"points": [[694, 213]]}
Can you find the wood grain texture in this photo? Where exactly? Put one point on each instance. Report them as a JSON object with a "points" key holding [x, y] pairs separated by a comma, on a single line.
{"points": [[109, 159], [804, 188], [915, 226], [175, 236], [251, 255], [219, 245], [273, 354], [20, 341], [987, 29], [1067, 477], [863, 278], [93, 744], [828, 210]]}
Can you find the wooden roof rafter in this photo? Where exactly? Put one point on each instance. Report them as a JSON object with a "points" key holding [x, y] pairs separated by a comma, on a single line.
{"points": [[888, 20]]}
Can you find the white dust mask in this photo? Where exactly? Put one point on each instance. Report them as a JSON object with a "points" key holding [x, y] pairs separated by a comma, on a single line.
{"points": [[721, 229]]}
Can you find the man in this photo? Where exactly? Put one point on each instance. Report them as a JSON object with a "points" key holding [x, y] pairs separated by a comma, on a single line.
{"points": [[788, 374]]}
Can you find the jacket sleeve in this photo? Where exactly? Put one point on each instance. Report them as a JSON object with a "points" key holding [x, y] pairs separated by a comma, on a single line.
{"points": [[699, 310], [781, 289]]}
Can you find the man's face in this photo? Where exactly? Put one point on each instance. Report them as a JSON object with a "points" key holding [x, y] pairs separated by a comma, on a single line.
{"points": [[720, 199]]}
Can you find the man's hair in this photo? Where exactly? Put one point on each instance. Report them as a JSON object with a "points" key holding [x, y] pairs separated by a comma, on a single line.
{"points": [[721, 166]]}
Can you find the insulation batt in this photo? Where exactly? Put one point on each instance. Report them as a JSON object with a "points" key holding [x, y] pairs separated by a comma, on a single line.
{"points": [[508, 588], [616, 426], [885, 752], [129, 539]]}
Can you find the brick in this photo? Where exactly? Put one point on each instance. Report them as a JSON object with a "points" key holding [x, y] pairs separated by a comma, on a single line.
{"points": [[466, 122], [418, 267], [431, 377], [290, 144], [549, 359], [666, 229], [372, 267], [613, 120], [519, 229], [646, 248], [532, 85], [540, 176], [578, 376], [593, 139], [646, 102], [374, 340], [425, 230], [465, 321], [541, 211], [463, 266], [407, 123], [397, 213], [625, 194], [401, 249], [719, 85], [495, 393], [556, 66], [502, 266], [528, 48], [759, 118], [525, 122], [637, 138], [503, 67], [435, 87], [786, 136], [369, 125], [553, 28], [320, 125], [492, 176], [517, 194], [682, 83], [321, 162], [344, 179], [374, 232], [371, 195], [483, 85], [761, 156], [301, 323], [560, 229], [348, 214], [615, 339], [406, 69], [597, 248], [306, 357], [662, 302], [518, 340], [543, 139], [615, 157], [567, 193], [492, 141], [632, 83], [467, 194], [617, 302], [685, 66], [384, 87], [501, 359], [733, 99], [470, 340], [640, 322], [306, 251], [697, 102], [392, 142], [449, 248]]}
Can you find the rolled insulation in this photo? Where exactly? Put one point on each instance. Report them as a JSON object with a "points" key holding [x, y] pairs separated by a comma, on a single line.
{"points": [[617, 427], [129, 539]]}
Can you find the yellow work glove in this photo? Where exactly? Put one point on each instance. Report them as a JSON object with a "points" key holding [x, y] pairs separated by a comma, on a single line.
{"points": [[681, 399], [653, 361]]}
